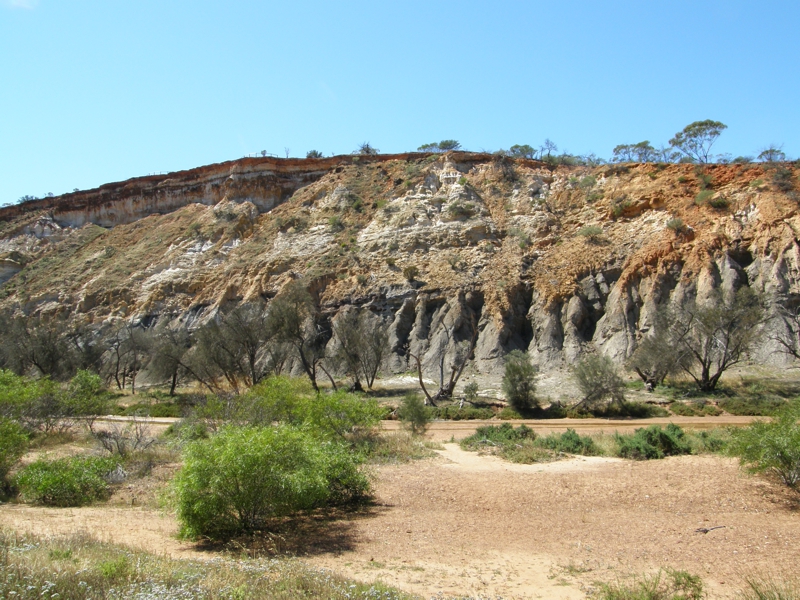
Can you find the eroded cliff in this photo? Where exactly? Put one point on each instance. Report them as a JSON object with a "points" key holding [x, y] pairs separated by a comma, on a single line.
{"points": [[556, 262]]}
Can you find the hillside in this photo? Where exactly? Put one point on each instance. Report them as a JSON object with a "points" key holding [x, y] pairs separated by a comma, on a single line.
{"points": [[555, 261]]}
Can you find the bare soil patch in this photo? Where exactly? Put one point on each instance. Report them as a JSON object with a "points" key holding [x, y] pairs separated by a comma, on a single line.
{"points": [[468, 524]]}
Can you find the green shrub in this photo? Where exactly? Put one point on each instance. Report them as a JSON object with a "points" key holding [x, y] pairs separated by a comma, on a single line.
{"points": [[498, 434], [570, 442], [759, 406], [412, 412], [65, 482], [597, 378], [703, 197], [471, 391], [591, 232], [453, 413], [33, 403], [293, 401], [509, 414], [410, 272], [675, 224], [771, 446], [719, 203], [653, 442], [519, 382], [13, 444], [239, 479]]}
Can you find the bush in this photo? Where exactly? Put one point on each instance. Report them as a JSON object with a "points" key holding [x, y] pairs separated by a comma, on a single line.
{"points": [[519, 383], [499, 434], [598, 379], [454, 413], [653, 442], [772, 447], [675, 224], [412, 412], [764, 406], [65, 482], [471, 391], [292, 401], [13, 444], [242, 477], [570, 442], [410, 272], [591, 232], [703, 197]]}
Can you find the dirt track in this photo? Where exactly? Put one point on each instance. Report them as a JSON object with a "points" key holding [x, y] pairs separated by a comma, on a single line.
{"points": [[443, 431], [468, 524]]}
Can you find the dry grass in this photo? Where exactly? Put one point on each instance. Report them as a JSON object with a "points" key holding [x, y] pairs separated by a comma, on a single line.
{"points": [[78, 566]]}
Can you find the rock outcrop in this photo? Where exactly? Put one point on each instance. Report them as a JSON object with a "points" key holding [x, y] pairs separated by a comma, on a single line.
{"points": [[554, 261]]}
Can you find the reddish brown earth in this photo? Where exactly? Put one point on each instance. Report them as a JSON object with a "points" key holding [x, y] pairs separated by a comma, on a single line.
{"points": [[468, 524]]}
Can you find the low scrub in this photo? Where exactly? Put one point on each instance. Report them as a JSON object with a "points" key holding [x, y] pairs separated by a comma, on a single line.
{"points": [[570, 442], [72, 481], [667, 584], [243, 477], [522, 445], [653, 442], [74, 567], [694, 409], [454, 413], [156, 409], [758, 406], [771, 446]]}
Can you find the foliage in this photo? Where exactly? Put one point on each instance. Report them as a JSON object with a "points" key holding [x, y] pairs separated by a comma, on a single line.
{"points": [[522, 151], [291, 401], [570, 442], [771, 446], [87, 397], [13, 444], [519, 381], [696, 139], [412, 412], [591, 232], [665, 585], [366, 148], [65, 482], [757, 406], [597, 378], [703, 197], [471, 391], [498, 434], [410, 272], [641, 152], [124, 439], [772, 154], [362, 345], [712, 337], [770, 588], [242, 477], [454, 413], [313, 154], [676, 224], [653, 442], [443, 146]]}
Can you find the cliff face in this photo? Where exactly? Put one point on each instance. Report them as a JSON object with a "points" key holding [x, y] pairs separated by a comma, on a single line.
{"points": [[554, 262]]}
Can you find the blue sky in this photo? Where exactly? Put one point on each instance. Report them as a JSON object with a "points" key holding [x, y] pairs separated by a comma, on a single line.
{"points": [[99, 91]]}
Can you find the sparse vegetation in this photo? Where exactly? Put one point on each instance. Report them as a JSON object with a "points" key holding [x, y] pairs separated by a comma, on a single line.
{"points": [[413, 413]]}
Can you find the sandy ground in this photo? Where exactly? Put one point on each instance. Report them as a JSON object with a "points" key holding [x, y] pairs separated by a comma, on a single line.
{"points": [[467, 524]]}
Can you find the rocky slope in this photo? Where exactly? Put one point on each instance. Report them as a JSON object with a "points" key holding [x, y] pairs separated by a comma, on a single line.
{"points": [[557, 262]]}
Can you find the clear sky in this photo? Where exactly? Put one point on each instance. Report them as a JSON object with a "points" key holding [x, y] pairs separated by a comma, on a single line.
{"points": [[94, 91]]}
